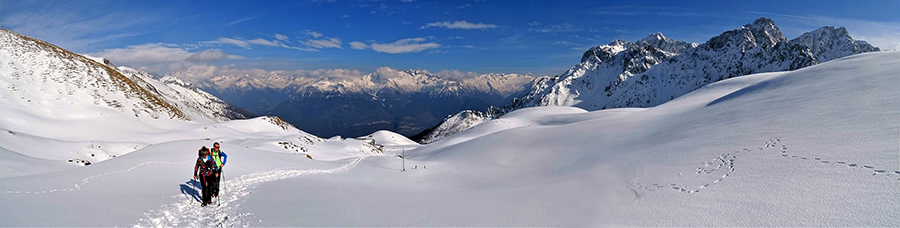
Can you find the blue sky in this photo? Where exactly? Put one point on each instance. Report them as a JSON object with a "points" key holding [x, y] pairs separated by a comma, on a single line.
{"points": [[354, 37]]}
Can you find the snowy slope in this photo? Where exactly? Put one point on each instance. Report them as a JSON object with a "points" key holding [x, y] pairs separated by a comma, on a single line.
{"points": [[645, 74], [200, 103], [63, 110], [811, 147]]}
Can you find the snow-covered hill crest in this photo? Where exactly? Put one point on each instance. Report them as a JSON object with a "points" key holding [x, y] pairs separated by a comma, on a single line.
{"points": [[656, 69], [60, 107], [37, 72]]}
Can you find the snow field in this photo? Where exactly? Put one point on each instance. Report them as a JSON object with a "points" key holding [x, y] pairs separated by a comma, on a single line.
{"points": [[811, 147]]}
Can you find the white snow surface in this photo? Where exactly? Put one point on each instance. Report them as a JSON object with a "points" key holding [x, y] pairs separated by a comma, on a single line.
{"points": [[811, 147]]}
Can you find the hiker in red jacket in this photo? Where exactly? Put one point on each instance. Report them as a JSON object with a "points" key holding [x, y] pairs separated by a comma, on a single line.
{"points": [[205, 170]]}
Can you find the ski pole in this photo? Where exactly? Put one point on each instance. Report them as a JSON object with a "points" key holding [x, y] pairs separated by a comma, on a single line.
{"points": [[222, 182], [219, 197], [194, 191]]}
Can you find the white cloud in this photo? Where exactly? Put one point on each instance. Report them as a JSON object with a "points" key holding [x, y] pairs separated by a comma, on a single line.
{"points": [[330, 73], [238, 21], [356, 45], [145, 53], [553, 28], [264, 42], [66, 24], [456, 74], [281, 37], [325, 43], [161, 58], [458, 25], [463, 6], [314, 33], [404, 46], [201, 71], [211, 55], [235, 42], [258, 41]]}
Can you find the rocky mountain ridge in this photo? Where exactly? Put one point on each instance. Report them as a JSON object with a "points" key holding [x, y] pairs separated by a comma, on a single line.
{"points": [[645, 74]]}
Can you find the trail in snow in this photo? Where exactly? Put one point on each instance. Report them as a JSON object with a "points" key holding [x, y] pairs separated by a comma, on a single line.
{"points": [[188, 212], [87, 180], [725, 163]]}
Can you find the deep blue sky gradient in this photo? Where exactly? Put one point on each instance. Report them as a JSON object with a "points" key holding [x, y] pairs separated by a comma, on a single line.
{"points": [[540, 37]]}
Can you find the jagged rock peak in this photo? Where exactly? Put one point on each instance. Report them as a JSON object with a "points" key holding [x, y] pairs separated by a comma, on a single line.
{"points": [[604, 53], [762, 32], [666, 44], [828, 43]]}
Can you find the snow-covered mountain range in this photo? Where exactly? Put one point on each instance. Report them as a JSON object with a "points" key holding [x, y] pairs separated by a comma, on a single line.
{"points": [[657, 69], [404, 101]]}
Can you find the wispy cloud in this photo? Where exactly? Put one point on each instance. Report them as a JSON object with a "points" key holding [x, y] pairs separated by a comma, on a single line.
{"points": [[238, 21], [212, 55], [410, 45], [557, 28], [631, 10], [463, 6], [356, 45], [458, 25], [778, 14], [264, 42], [157, 57], [224, 40], [280, 41], [145, 53], [281, 37], [314, 34], [324, 43], [64, 23], [321, 41]]}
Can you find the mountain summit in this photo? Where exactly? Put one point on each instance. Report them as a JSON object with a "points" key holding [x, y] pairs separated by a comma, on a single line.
{"points": [[656, 69]]}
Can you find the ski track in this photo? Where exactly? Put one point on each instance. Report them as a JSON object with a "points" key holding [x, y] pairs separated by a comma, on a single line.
{"points": [[188, 212], [726, 161], [87, 180]]}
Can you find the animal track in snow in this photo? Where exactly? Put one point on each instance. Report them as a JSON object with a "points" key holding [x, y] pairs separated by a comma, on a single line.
{"points": [[727, 161]]}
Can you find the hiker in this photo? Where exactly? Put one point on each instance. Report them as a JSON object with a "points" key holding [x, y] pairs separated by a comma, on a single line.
{"points": [[220, 158], [205, 171]]}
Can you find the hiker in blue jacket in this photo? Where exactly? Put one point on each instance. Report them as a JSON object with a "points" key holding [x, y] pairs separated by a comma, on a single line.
{"points": [[220, 158]]}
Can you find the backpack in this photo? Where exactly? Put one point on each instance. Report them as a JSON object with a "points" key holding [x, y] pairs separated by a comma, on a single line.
{"points": [[207, 167]]}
